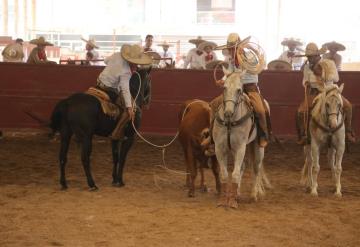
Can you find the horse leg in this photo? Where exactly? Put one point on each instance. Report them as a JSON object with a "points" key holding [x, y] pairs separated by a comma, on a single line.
{"points": [[338, 169], [221, 154], [215, 170], [115, 156], [306, 171], [65, 136], [191, 165], [258, 188], [85, 158], [203, 187], [315, 167], [237, 175]]}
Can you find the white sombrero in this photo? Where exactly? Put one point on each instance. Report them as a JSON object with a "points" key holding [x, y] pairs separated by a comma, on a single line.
{"points": [[291, 41], [233, 39], [134, 54], [13, 52], [279, 65], [165, 44], [196, 41], [334, 45], [40, 41], [154, 56], [205, 44], [91, 42]]}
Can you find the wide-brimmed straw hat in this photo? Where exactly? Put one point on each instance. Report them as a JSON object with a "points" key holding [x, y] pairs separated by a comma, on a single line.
{"points": [[312, 50], [154, 56], [40, 41], [13, 52], [291, 41], [134, 54], [279, 65], [196, 41], [91, 42], [334, 45], [165, 44], [206, 44], [233, 39]]}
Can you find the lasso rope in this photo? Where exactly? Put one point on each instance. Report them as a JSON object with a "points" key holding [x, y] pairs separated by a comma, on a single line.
{"points": [[164, 146]]}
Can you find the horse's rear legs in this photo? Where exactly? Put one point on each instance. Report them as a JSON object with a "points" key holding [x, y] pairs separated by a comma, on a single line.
{"points": [[65, 142], [85, 158]]}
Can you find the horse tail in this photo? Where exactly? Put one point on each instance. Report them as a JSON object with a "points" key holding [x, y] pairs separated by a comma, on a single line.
{"points": [[58, 115]]}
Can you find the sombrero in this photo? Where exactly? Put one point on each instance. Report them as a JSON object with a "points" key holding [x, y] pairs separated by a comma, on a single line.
{"points": [[154, 56], [91, 42], [205, 44], [196, 41], [290, 41], [13, 52], [279, 65], [233, 39], [312, 50], [165, 44], [334, 45], [135, 55], [40, 41]]}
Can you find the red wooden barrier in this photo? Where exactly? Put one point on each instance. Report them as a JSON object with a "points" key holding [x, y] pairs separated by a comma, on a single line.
{"points": [[39, 87]]}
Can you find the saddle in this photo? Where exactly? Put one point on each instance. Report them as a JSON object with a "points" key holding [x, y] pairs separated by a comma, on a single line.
{"points": [[109, 108]]}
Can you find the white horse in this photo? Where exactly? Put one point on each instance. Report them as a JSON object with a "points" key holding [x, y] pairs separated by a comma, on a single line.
{"points": [[233, 129], [326, 128]]}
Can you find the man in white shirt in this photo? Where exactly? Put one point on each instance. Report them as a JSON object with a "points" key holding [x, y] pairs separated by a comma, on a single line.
{"points": [[333, 48], [91, 53], [115, 78], [208, 55], [165, 53], [148, 43], [291, 54], [319, 73], [194, 57]]}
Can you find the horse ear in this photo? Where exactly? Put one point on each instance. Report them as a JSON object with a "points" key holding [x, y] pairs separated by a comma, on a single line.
{"points": [[341, 88], [149, 69], [225, 70]]}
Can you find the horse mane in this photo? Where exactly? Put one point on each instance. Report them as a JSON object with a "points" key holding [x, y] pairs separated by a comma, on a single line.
{"points": [[319, 100]]}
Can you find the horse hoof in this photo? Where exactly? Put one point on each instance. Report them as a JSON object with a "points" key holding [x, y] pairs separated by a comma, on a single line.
{"points": [[314, 193], [338, 194], [94, 188], [222, 202], [64, 187], [191, 194], [118, 184], [233, 203], [204, 189]]}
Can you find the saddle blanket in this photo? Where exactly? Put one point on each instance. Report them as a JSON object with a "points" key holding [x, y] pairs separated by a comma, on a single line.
{"points": [[109, 108]]}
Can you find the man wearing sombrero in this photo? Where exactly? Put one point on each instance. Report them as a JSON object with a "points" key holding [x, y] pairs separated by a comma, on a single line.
{"points": [[91, 53], [38, 55], [250, 82], [290, 55], [14, 52], [165, 53], [208, 56], [318, 73], [115, 79], [333, 48], [194, 57]]}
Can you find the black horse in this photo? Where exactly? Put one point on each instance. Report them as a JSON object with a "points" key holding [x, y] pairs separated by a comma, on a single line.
{"points": [[81, 115]]}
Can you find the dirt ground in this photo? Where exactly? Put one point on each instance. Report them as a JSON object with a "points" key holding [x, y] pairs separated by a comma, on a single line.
{"points": [[153, 208]]}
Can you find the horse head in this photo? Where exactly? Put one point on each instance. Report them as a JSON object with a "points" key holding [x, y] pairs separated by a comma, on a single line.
{"points": [[140, 85], [332, 105], [233, 89]]}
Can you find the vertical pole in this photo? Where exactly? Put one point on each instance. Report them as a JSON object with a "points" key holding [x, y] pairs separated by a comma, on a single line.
{"points": [[5, 17], [33, 14], [16, 14], [25, 19], [114, 39]]}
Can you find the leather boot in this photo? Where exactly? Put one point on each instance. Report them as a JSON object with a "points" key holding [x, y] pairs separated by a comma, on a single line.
{"points": [[223, 199], [269, 127], [118, 132], [300, 127], [232, 196]]}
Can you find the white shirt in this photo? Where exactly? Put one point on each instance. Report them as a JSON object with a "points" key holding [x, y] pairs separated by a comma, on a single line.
{"points": [[117, 75], [96, 56], [296, 62], [247, 77], [332, 75], [167, 54], [203, 58], [195, 60]]}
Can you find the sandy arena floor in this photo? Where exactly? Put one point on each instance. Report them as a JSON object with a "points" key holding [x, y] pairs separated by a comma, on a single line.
{"points": [[157, 212]]}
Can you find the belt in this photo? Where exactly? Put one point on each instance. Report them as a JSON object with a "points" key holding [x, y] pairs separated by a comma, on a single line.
{"points": [[101, 85]]}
